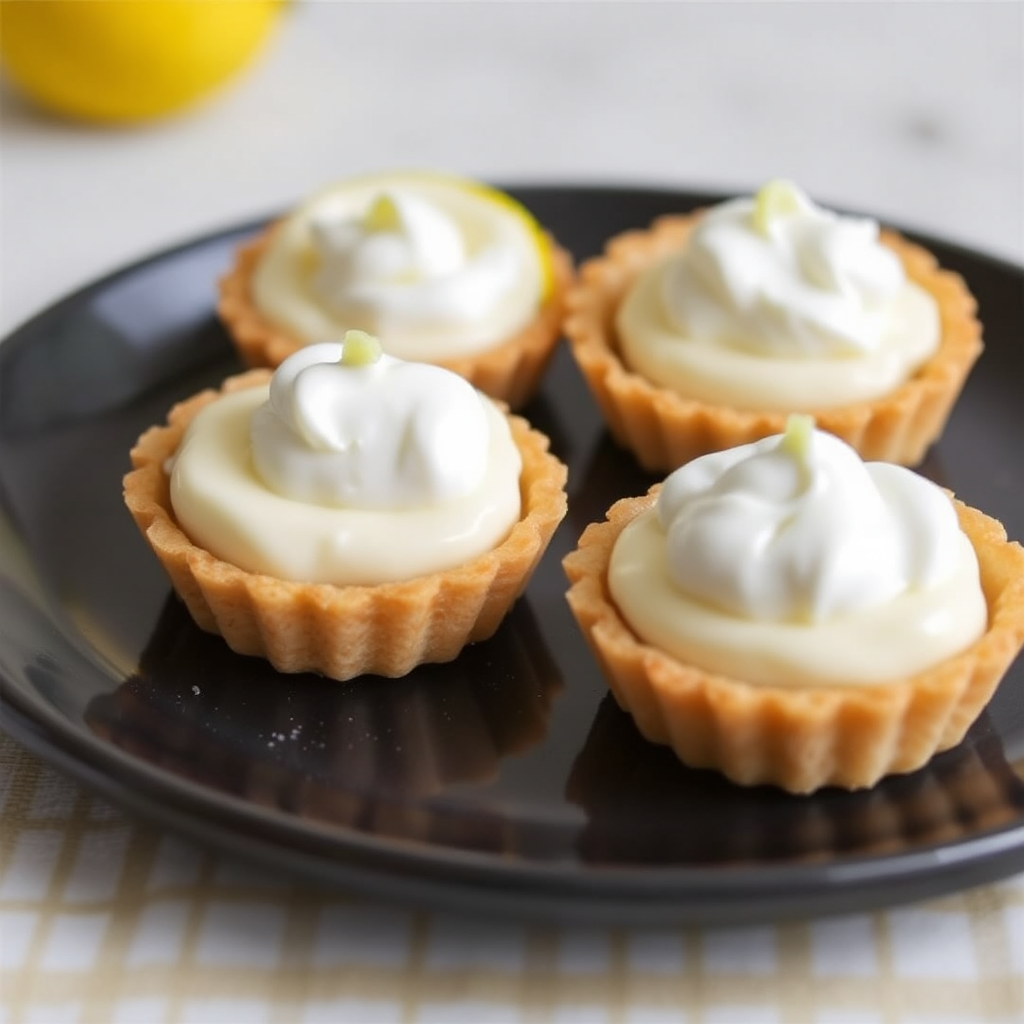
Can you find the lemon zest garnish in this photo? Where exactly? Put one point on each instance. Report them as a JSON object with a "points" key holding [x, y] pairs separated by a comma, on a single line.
{"points": [[359, 349], [382, 215], [796, 441], [776, 198]]}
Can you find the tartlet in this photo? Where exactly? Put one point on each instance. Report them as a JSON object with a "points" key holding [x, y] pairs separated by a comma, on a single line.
{"points": [[509, 368], [343, 631], [800, 737], [665, 429]]}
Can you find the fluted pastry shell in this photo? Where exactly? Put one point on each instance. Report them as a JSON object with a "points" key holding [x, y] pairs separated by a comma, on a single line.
{"points": [[510, 370], [799, 738], [665, 430], [344, 631]]}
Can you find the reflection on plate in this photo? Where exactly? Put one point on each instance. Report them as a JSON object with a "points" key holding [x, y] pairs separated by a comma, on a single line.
{"points": [[358, 754], [505, 780], [634, 793]]}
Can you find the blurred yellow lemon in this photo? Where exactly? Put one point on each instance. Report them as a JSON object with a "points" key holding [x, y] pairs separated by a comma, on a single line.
{"points": [[127, 60]]}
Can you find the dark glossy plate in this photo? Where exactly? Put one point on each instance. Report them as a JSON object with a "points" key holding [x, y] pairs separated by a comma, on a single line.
{"points": [[506, 781]]}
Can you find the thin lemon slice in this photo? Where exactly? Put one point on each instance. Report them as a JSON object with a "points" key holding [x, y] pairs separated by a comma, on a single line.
{"points": [[529, 222]]}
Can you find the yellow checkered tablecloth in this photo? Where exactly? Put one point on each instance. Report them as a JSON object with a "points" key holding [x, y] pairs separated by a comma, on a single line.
{"points": [[104, 921]]}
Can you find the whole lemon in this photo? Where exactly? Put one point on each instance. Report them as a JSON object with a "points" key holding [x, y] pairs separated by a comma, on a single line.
{"points": [[126, 60]]}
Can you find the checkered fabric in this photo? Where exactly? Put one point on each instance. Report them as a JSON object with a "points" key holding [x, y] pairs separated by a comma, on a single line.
{"points": [[106, 922]]}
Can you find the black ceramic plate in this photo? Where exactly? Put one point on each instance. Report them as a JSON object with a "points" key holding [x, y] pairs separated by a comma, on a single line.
{"points": [[505, 781]]}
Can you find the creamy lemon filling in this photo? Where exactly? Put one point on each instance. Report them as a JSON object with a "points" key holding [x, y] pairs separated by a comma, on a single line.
{"points": [[914, 630], [710, 371], [372, 472], [799, 566], [776, 304], [436, 267]]}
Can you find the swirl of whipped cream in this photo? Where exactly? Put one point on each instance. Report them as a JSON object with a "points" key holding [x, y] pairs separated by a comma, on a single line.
{"points": [[779, 275], [796, 528], [346, 425], [435, 267], [405, 260]]}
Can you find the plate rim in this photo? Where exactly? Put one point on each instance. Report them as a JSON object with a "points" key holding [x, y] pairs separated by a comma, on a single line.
{"points": [[54, 737]]}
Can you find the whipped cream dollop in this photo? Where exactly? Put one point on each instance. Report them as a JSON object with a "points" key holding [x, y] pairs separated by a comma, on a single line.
{"points": [[348, 425], [779, 274], [434, 266], [775, 304], [406, 261], [351, 467], [797, 528], [789, 562]]}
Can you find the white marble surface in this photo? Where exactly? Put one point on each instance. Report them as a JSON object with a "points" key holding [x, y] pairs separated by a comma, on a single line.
{"points": [[912, 111]]}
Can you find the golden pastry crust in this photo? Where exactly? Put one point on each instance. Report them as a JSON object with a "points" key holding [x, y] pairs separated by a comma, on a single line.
{"points": [[799, 738], [664, 430], [344, 631], [509, 371]]}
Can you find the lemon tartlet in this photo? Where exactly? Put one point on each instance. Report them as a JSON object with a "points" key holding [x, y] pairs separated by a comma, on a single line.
{"points": [[350, 513], [787, 614], [706, 330], [442, 269]]}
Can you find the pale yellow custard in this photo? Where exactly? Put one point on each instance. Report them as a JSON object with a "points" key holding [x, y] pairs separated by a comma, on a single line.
{"points": [[730, 375], [908, 633], [225, 507]]}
